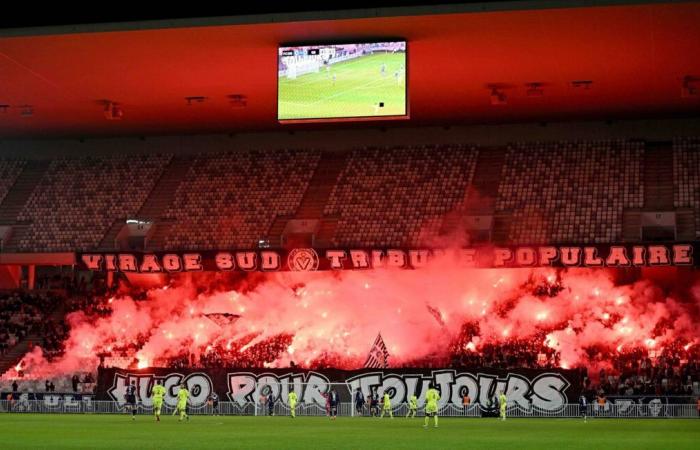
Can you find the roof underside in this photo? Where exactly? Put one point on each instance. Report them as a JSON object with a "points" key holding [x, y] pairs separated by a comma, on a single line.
{"points": [[637, 57]]}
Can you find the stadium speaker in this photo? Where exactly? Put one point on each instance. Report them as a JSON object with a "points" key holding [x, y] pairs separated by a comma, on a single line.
{"points": [[238, 100], [498, 98], [26, 110], [691, 87], [113, 111], [534, 90]]}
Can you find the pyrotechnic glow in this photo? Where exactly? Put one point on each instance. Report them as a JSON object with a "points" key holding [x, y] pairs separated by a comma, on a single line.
{"points": [[333, 318]]}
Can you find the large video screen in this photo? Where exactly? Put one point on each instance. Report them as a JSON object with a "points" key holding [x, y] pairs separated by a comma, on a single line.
{"points": [[342, 81]]}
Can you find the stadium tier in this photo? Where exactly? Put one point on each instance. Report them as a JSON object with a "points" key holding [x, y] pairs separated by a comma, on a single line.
{"points": [[9, 171], [686, 175], [231, 200], [539, 192], [402, 200], [77, 200], [570, 191]]}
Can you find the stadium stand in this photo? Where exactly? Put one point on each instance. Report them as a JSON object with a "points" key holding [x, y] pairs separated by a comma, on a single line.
{"points": [[570, 191], [557, 192], [78, 199], [686, 170], [232, 199], [9, 171], [402, 200]]}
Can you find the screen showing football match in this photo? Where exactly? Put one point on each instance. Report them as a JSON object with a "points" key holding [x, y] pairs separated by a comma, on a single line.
{"points": [[342, 81]]}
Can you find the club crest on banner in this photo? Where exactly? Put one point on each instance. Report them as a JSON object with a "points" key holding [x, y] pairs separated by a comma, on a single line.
{"points": [[303, 260]]}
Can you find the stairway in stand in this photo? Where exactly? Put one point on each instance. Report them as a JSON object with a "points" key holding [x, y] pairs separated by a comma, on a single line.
{"points": [[161, 197], [315, 199], [658, 177]]}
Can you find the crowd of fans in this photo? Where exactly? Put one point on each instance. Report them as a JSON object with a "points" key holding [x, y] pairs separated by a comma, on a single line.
{"points": [[23, 314], [671, 370]]}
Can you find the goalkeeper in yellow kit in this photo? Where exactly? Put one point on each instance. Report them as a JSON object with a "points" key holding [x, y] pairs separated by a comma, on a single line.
{"points": [[157, 394], [503, 402], [431, 405], [292, 399]]}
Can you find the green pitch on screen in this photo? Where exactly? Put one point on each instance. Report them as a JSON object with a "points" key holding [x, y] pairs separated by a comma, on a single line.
{"points": [[353, 88]]}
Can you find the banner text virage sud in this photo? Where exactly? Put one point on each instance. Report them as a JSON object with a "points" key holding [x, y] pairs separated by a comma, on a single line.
{"points": [[309, 259]]}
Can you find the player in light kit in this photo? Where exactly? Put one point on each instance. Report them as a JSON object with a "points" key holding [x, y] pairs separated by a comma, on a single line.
{"points": [[131, 399], [431, 405], [386, 406], [412, 406], [182, 395], [503, 402], [292, 400], [157, 393]]}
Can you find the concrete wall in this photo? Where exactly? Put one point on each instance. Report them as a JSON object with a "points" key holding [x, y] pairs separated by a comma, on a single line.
{"points": [[340, 139]]}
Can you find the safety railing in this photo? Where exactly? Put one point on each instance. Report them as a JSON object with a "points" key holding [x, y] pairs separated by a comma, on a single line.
{"points": [[607, 410]]}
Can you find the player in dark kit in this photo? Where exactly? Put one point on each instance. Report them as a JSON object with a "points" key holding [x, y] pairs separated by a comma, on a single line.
{"points": [[130, 398], [333, 399], [213, 400], [359, 402], [271, 404], [374, 404], [583, 407]]}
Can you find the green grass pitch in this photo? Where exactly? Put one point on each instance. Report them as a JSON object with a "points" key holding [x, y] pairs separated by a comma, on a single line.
{"points": [[66, 431], [359, 86]]}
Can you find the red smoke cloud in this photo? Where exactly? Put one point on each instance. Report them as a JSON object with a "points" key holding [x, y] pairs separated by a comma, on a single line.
{"points": [[333, 317]]}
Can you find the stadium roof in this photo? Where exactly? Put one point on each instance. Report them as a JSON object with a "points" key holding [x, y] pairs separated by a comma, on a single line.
{"points": [[55, 79]]}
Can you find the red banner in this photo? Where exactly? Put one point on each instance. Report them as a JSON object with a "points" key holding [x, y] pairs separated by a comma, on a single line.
{"points": [[309, 259]]}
